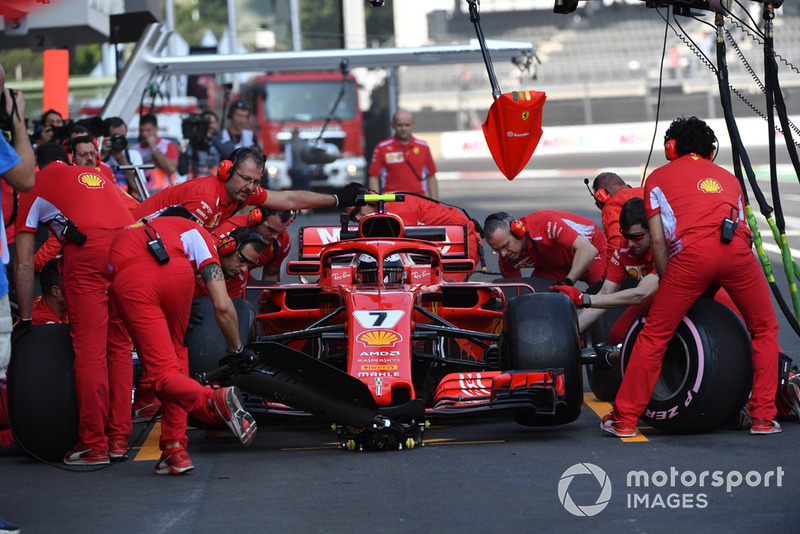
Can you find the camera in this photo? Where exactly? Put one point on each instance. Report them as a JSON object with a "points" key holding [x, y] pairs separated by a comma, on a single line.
{"points": [[118, 143], [377, 3], [195, 127], [6, 120]]}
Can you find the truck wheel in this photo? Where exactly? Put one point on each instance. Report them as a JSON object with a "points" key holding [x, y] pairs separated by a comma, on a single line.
{"points": [[541, 331], [42, 408], [706, 373], [205, 341]]}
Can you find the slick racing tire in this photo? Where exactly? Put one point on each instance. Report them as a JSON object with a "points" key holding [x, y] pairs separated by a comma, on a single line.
{"points": [[706, 373], [541, 332], [205, 341], [539, 285], [42, 408]]}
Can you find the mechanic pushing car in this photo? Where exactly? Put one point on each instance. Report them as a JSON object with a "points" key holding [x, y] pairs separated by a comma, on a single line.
{"points": [[699, 236], [83, 209], [556, 244], [215, 198], [152, 266]]}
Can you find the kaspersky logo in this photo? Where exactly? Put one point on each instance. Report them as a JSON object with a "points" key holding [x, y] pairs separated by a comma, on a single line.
{"points": [[379, 338], [90, 180], [709, 185]]}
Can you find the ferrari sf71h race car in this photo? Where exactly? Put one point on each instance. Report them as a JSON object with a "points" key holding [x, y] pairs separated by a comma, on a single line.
{"points": [[383, 339]]}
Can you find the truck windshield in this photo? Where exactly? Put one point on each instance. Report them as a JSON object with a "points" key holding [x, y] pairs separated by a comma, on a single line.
{"points": [[308, 101]]}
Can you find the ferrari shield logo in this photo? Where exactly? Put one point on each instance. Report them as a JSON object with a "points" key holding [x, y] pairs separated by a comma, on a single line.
{"points": [[525, 115]]}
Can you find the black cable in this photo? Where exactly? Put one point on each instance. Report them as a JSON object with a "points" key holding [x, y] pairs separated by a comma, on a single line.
{"points": [[658, 101]]}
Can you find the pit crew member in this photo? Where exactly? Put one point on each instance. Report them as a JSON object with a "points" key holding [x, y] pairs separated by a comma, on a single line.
{"points": [[610, 193], [153, 265], [271, 225], [699, 238], [238, 251], [83, 209], [215, 198], [50, 307], [555, 244]]}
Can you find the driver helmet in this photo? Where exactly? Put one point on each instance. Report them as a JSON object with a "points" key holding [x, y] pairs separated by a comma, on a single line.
{"points": [[394, 272], [366, 269]]}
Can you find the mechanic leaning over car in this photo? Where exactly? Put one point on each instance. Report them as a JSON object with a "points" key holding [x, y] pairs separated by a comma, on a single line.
{"points": [[83, 209], [555, 244], [699, 238], [610, 193], [239, 251], [215, 198], [417, 210], [271, 225], [152, 265]]}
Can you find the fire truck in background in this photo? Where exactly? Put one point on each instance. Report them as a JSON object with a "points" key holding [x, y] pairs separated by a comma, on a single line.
{"points": [[304, 100]]}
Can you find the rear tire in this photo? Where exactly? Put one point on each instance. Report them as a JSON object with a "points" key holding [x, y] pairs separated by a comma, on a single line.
{"points": [[541, 332], [42, 408], [706, 373]]}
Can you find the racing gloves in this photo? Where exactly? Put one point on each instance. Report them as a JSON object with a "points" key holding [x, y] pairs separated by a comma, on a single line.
{"points": [[347, 195], [581, 300]]}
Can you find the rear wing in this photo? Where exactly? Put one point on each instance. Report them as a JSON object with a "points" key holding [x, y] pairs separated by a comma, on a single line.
{"points": [[451, 240]]}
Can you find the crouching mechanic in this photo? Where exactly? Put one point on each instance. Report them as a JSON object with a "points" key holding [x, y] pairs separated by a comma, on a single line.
{"points": [[50, 307], [555, 244], [271, 225], [238, 251], [700, 238], [154, 284], [419, 210]]}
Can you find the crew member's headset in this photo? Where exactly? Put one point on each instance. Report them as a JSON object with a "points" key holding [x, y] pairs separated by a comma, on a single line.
{"points": [[516, 226], [69, 147], [235, 241], [601, 196], [259, 215], [226, 166], [672, 154]]}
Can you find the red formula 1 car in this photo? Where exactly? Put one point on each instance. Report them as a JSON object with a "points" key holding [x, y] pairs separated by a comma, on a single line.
{"points": [[383, 339]]}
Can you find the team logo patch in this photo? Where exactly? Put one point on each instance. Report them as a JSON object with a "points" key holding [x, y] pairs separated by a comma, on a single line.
{"points": [[394, 157], [709, 185], [90, 180], [525, 115], [379, 338], [416, 150]]}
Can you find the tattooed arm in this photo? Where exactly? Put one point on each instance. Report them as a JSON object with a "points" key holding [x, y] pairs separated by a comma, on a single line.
{"points": [[224, 311]]}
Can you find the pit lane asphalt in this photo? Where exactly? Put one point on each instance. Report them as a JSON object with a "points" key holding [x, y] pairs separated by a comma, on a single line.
{"points": [[479, 474]]}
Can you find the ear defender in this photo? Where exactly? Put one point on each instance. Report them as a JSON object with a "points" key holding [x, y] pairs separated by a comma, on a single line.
{"points": [[255, 217], [225, 168], [227, 245], [669, 150], [515, 226]]}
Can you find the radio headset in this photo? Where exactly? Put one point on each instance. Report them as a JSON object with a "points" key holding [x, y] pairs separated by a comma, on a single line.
{"points": [[515, 226], [155, 245], [601, 196]]}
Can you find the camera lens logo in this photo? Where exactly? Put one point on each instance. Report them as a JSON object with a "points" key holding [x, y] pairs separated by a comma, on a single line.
{"points": [[584, 469]]}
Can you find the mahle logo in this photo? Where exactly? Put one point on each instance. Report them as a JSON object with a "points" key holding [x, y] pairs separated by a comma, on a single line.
{"points": [[602, 480]]}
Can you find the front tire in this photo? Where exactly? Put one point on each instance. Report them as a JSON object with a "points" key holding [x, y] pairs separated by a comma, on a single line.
{"points": [[706, 372], [541, 332]]}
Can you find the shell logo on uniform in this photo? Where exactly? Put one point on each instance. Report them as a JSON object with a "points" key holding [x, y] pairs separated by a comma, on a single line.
{"points": [[379, 338], [709, 185], [394, 157], [90, 180]]}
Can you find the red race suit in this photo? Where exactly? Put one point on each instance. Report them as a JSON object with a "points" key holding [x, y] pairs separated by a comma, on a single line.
{"points": [[549, 239], [43, 313], [155, 302], [693, 196], [203, 197], [610, 217], [402, 166], [103, 368]]}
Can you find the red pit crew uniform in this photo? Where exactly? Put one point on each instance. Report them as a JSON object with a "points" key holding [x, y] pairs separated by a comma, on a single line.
{"points": [[103, 369], [272, 255], [155, 302], [610, 217], [43, 313], [204, 197], [550, 237], [693, 196], [402, 167]]}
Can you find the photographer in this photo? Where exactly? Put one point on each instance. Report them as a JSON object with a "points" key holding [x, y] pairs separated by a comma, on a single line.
{"points": [[205, 147], [114, 152], [50, 128]]}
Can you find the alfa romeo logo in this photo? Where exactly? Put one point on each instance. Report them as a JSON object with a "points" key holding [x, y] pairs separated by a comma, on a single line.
{"points": [[584, 469]]}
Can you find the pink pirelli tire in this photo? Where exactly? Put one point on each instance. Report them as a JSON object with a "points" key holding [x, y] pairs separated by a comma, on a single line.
{"points": [[706, 372]]}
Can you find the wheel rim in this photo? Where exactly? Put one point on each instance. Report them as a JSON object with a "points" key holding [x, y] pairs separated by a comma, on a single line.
{"points": [[675, 367]]}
